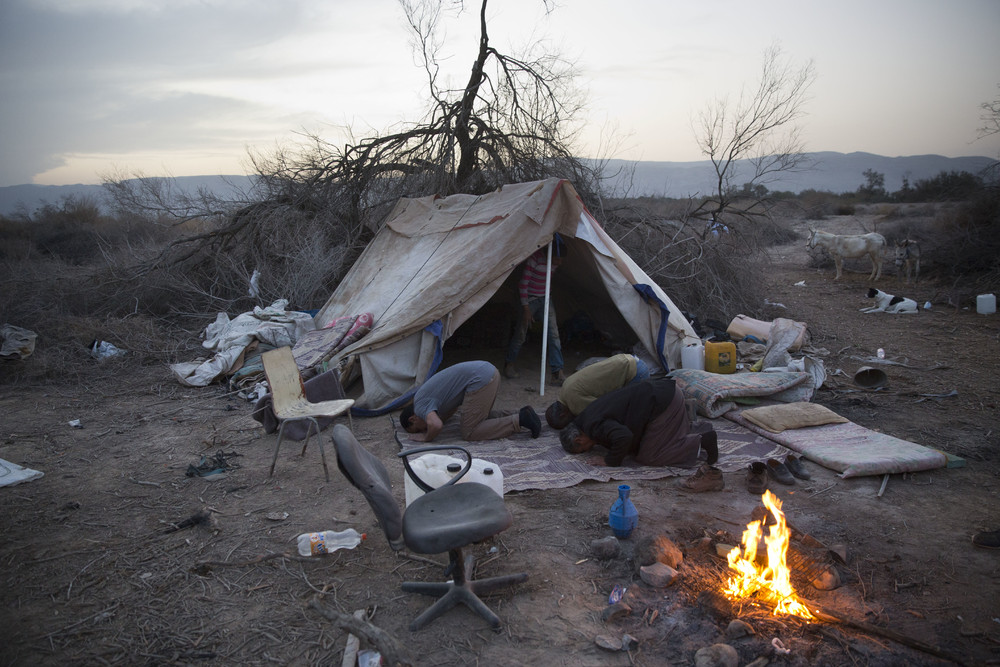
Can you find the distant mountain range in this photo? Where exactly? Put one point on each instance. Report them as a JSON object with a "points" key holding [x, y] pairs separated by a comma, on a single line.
{"points": [[827, 171]]}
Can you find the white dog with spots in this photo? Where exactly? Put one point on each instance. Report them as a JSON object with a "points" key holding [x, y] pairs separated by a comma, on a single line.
{"points": [[887, 303]]}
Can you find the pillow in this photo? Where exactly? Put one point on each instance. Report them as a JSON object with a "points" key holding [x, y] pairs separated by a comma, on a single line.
{"points": [[777, 418]]}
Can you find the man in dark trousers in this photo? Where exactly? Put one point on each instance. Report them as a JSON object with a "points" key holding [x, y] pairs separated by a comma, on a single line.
{"points": [[646, 421]]}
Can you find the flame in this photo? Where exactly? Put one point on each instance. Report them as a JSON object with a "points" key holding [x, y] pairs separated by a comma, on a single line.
{"points": [[772, 581]]}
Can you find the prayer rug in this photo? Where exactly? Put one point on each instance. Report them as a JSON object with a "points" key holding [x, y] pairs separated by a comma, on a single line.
{"points": [[542, 463]]}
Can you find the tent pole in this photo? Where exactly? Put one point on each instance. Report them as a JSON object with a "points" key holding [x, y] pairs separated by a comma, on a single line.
{"points": [[545, 318]]}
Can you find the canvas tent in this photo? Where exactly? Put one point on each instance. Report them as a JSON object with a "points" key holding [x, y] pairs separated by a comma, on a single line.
{"points": [[437, 261]]}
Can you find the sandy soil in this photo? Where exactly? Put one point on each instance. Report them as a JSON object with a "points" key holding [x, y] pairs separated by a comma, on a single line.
{"points": [[92, 573]]}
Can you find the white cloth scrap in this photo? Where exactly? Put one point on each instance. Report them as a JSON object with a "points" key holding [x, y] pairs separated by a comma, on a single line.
{"points": [[11, 473], [273, 326]]}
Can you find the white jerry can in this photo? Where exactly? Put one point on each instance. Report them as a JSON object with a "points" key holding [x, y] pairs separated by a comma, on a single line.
{"points": [[436, 469]]}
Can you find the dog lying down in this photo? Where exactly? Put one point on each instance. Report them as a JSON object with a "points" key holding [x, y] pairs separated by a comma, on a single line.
{"points": [[887, 303]]}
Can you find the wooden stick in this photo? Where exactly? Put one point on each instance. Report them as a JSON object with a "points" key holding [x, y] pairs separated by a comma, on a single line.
{"points": [[829, 617], [392, 651]]}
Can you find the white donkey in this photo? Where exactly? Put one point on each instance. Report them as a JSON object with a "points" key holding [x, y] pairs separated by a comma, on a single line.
{"points": [[859, 245]]}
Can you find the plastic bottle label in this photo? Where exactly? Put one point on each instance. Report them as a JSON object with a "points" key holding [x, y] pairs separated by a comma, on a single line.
{"points": [[317, 543]]}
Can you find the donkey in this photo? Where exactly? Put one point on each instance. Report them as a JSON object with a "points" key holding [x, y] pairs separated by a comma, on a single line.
{"points": [[908, 260], [839, 247]]}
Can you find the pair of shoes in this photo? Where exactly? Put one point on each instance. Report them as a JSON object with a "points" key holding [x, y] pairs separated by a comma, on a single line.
{"points": [[757, 478], [794, 465], [558, 378], [530, 420], [779, 473], [706, 478], [988, 539], [510, 371]]}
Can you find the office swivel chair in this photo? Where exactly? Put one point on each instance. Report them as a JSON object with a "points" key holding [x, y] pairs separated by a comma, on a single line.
{"points": [[445, 519]]}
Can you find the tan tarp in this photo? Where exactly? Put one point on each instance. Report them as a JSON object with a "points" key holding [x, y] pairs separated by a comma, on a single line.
{"points": [[437, 261]]}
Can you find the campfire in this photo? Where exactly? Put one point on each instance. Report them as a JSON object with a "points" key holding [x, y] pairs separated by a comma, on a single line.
{"points": [[770, 580]]}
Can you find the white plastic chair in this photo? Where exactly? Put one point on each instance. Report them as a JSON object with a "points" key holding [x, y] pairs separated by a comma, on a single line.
{"points": [[288, 399]]}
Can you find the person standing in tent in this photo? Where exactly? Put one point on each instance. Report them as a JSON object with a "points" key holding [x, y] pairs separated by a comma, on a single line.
{"points": [[531, 293], [582, 387], [472, 386], [647, 421]]}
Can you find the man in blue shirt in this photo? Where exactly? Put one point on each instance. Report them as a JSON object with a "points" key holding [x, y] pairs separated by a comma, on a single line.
{"points": [[471, 385]]}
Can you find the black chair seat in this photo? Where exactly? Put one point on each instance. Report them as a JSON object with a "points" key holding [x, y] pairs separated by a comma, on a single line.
{"points": [[444, 519], [454, 516]]}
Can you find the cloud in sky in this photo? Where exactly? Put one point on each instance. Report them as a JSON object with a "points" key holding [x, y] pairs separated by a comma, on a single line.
{"points": [[178, 87]]}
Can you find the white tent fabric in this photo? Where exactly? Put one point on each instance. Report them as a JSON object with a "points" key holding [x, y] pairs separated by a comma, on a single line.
{"points": [[437, 261]]}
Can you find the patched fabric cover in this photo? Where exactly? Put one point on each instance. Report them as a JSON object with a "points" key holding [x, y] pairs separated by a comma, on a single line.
{"points": [[778, 418], [852, 450], [715, 393], [320, 345]]}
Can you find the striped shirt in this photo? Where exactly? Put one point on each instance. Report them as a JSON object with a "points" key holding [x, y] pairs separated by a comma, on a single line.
{"points": [[532, 283]]}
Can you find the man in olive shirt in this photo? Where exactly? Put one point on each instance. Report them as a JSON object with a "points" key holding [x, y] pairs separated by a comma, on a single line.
{"points": [[582, 387]]}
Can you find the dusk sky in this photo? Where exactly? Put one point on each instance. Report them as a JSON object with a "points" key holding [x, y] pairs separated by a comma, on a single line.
{"points": [[94, 88]]}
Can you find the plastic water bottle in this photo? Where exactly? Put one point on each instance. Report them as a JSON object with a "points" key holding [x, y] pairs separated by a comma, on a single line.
{"points": [[623, 516], [328, 541]]}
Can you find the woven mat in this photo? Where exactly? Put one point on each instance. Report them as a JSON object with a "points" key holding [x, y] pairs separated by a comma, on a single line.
{"points": [[542, 463]]}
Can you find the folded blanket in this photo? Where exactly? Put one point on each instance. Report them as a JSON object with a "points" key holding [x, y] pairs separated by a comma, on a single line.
{"points": [[715, 393], [781, 417]]}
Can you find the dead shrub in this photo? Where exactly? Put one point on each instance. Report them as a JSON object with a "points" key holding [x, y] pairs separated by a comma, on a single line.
{"points": [[965, 242], [711, 277]]}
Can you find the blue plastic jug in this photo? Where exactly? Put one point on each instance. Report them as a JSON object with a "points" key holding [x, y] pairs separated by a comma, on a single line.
{"points": [[623, 516]]}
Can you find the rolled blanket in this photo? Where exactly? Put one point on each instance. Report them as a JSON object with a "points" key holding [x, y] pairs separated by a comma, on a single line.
{"points": [[715, 392]]}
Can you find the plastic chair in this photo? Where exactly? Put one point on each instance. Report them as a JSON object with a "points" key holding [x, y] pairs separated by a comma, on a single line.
{"points": [[445, 519], [289, 402]]}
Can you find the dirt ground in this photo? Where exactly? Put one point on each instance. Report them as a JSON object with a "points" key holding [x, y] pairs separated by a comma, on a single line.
{"points": [[93, 573]]}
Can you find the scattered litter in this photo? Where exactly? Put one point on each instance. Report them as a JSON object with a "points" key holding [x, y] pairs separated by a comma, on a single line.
{"points": [[801, 283], [213, 467], [773, 303], [616, 594], [276, 516], [254, 290], [75, 423], [779, 648], [259, 391], [369, 658], [102, 349], [950, 394]]}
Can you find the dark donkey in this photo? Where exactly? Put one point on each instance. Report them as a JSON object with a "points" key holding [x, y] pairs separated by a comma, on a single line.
{"points": [[908, 260]]}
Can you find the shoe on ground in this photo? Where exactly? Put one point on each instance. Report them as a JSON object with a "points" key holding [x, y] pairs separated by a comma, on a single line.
{"points": [[779, 473], [757, 478], [988, 539], [706, 478], [510, 371], [558, 377], [794, 465], [530, 420]]}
